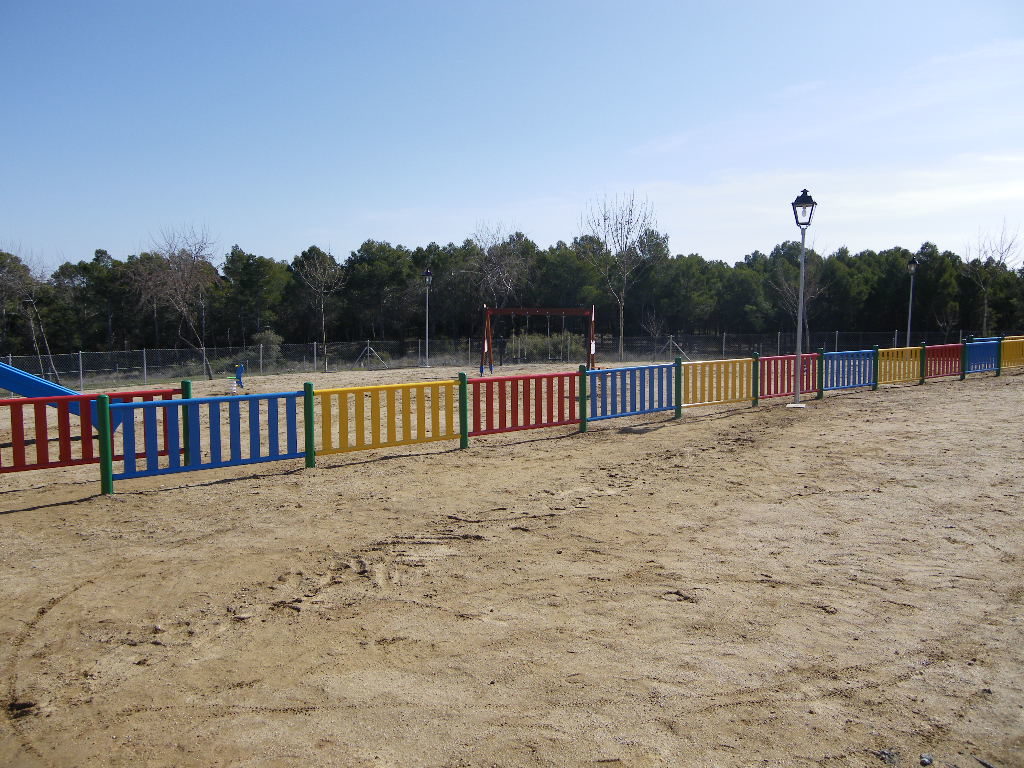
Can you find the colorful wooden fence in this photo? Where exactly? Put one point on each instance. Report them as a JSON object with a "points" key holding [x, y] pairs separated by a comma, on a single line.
{"points": [[200, 433], [775, 375], [363, 418], [982, 356], [631, 391], [47, 432], [510, 403], [716, 382], [154, 434], [899, 364], [1012, 353], [943, 360], [849, 370]]}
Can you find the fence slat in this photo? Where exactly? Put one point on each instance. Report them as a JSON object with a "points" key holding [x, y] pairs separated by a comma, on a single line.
{"points": [[261, 437], [849, 370], [630, 391], [425, 410], [512, 403], [717, 382]]}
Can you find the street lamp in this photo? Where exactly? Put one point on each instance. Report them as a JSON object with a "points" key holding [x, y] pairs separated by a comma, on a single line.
{"points": [[803, 212], [428, 276], [911, 268]]}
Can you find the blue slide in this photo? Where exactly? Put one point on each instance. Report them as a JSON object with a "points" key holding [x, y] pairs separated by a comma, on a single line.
{"points": [[25, 384], [28, 385]]}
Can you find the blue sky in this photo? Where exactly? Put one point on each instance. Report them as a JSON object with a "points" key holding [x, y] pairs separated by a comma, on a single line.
{"points": [[277, 125]]}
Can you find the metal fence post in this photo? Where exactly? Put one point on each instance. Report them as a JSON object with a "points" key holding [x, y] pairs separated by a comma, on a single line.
{"points": [[963, 361], [314, 356], [145, 369], [81, 373], [924, 363], [261, 359], [874, 368], [999, 356]]}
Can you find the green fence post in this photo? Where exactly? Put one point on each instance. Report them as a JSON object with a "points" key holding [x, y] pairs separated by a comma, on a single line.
{"points": [[463, 411], [307, 423], [186, 394], [583, 398], [874, 368], [755, 380], [999, 357], [963, 361], [678, 385], [821, 374], [106, 445], [924, 363]]}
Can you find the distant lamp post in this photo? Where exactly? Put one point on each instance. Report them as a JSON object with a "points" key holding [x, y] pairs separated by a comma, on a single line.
{"points": [[803, 212], [428, 276], [911, 268]]}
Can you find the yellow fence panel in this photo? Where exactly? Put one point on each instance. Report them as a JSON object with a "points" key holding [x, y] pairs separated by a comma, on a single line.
{"points": [[717, 381], [1012, 353], [363, 418], [899, 364]]}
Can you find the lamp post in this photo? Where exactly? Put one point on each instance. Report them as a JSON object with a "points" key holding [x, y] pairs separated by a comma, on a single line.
{"points": [[428, 276], [803, 212], [911, 268]]}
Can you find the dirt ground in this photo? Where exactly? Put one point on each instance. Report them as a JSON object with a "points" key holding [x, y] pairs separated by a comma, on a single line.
{"points": [[839, 585]]}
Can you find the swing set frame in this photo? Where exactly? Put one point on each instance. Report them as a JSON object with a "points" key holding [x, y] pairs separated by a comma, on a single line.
{"points": [[487, 347]]}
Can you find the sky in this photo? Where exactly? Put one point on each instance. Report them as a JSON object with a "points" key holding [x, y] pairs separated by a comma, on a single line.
{"points": [[279, 125]]}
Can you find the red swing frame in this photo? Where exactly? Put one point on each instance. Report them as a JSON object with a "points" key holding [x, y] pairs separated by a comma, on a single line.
{"points": [[487, 347]]}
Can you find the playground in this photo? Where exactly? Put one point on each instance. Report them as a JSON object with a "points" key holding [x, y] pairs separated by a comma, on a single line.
{"points": [[836, 585]]}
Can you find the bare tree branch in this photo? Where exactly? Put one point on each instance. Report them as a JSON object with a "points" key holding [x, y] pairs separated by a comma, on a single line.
{"points": [[625, 227]]}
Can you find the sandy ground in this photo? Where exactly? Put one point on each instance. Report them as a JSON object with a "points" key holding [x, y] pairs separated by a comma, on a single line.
{"points": [[836, 586]]}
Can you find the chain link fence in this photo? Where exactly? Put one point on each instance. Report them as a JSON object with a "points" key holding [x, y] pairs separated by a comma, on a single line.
{"points": [[144, 367]]}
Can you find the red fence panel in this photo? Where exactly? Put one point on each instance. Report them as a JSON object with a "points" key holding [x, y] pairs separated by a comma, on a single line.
{"points": [[33, 423], [942, 360], [775, 375], [511, 403]]}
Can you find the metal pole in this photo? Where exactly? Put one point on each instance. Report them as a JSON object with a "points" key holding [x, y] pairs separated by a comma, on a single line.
{"points": [[426, 355], [910, 307], [81, 373], [799, 321], [145, 369]]}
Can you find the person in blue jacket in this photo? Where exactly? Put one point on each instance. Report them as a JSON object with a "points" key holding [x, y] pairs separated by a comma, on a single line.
{"points": [[239, 370]]}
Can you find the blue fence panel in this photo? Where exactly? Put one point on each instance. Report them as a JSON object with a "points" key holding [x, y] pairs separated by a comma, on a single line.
{"points": [[631, 391], [982, 356], [847, 370], [258, 432]]}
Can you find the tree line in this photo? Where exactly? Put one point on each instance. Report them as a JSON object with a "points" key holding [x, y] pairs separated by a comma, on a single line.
{"points": [[173, 295]]}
